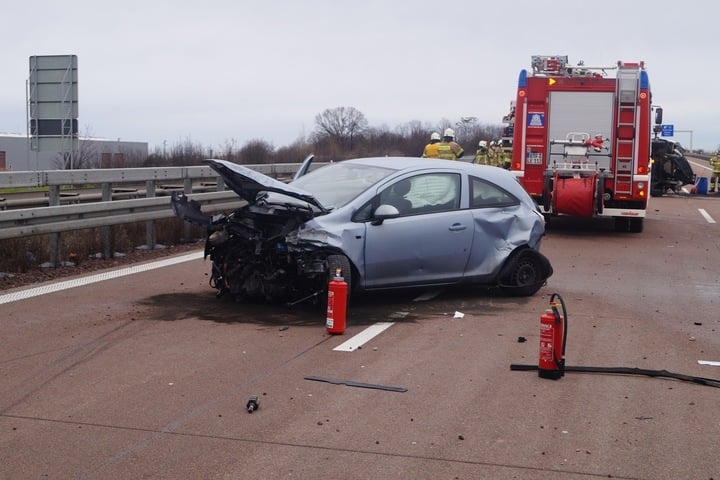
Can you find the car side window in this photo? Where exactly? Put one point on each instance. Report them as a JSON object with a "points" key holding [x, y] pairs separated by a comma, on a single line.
{"points": [[396, 195], [427, 193], [434, 192], [485, 194]]}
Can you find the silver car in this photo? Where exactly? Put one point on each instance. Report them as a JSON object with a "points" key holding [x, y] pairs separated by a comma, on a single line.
{"points": [[386, 222]]}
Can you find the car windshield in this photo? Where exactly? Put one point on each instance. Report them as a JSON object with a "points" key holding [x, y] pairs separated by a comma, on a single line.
{"points": [[336, 184]]}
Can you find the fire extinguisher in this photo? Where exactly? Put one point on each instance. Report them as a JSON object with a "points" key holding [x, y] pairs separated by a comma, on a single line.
{"points": [[337, 302], [553, 337]]}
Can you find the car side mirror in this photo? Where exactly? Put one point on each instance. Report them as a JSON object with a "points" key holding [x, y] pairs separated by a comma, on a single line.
{"points": [[383, 212]]}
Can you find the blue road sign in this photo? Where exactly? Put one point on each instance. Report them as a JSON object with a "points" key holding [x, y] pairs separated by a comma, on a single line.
{"points": [[667, 131]]}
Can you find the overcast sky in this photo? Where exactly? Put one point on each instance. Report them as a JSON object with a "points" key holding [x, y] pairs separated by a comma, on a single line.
{"points": [[220, 71]]}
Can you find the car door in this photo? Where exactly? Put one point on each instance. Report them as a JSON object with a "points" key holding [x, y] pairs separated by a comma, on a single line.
{"points": [[430, 243]]}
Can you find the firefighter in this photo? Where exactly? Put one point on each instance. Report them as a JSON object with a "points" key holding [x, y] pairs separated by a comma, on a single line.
{"points": [[492, 154], [499, 154], [715, 164], [449, 149], [507, 152], [481, 155], [431, 149]]}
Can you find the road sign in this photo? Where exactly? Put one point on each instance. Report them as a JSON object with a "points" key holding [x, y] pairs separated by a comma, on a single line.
{"points": [[667, 131]]}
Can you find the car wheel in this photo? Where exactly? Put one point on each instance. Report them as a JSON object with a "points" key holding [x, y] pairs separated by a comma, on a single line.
{"points": [[657, 189], [526, 277]]}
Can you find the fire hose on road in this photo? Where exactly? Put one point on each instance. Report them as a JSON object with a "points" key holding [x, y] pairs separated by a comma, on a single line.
{"points": [[553, 340]]}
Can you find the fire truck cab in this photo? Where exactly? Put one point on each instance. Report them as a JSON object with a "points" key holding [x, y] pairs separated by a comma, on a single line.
{"points": [[581, 139]]}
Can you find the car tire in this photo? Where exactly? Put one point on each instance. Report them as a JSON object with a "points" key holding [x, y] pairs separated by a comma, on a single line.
{"points": [[527, 275]]}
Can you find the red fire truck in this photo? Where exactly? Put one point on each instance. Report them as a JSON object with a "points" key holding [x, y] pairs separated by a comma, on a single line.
{"points": [[581, 140]]}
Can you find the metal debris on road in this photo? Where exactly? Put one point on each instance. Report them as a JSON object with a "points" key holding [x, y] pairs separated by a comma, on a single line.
{"points": [[350, 383]]}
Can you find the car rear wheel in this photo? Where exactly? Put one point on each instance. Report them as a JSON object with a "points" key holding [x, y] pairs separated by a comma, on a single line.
{"points": [[526, 277]]}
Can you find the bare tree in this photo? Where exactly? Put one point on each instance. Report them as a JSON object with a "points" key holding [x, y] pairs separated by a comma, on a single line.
{"points": [[229, 151], [255, 152], [341, 124], [187, 153], [466, 127]]}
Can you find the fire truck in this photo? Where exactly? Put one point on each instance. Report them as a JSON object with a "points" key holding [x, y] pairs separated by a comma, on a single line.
{"points": [[581, 139]]}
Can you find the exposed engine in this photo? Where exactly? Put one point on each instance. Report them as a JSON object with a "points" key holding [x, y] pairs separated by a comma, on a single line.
{"points": [[251, 259]]}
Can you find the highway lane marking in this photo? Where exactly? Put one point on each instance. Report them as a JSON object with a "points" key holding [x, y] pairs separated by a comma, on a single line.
{"points": [[706, 215], [78, 282], [709, 362], [363, 337]]}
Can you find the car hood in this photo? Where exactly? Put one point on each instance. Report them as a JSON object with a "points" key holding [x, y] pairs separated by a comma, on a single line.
{"points": [[248, 183]]}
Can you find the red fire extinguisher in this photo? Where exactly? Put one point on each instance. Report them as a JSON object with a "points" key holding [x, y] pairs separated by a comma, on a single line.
{"points": [[553, 336], [337, 302]]}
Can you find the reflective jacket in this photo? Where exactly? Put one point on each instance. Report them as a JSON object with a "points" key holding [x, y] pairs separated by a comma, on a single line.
{"points": [[431, 150], [450, 150], [481, 156], [715, 164]]}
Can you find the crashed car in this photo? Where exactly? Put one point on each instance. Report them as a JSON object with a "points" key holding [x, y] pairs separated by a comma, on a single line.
{"points": [[382, 223], [670, 169]]}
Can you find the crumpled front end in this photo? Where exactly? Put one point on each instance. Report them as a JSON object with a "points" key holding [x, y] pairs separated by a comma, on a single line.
{"points": [[252, 258]]}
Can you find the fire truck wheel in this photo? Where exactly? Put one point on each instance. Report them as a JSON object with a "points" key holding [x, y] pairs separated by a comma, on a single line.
{"points": [[622, 224], [636, 225]]}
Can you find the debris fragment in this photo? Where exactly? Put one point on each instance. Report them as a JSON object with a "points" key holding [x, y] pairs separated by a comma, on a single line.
{"points": [[252, 404], [350, 383]]}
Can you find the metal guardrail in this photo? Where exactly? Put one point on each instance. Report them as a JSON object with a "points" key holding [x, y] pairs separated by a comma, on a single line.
{"points": [[48, 178], [64, 218], [56, 218]]}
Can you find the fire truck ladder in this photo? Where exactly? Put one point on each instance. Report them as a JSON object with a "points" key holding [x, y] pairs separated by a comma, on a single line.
{"points": [[628, 81]]}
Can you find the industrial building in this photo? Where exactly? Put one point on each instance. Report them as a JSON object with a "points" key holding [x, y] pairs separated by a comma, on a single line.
{"points": [[16, 154]]}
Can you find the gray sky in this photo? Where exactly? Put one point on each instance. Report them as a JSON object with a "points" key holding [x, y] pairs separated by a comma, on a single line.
{"points": [[220, 71]]}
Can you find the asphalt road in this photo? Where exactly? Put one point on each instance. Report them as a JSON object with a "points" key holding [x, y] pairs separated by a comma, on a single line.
{"points": [[147, 375]]}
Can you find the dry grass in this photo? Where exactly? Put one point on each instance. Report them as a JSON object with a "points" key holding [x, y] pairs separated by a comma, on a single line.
{"points": [[20, 255]]}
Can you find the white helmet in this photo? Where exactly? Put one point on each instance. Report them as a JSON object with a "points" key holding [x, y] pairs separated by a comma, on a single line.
{"points": [[435, 136], [482, 144], [492, 144], [449, 132]]}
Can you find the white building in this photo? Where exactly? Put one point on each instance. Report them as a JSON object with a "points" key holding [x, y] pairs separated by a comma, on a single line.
{"points": [[16, 154]]}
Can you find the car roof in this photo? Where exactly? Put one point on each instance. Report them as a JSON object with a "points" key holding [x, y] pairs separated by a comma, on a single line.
{"points": [[497, 175]]}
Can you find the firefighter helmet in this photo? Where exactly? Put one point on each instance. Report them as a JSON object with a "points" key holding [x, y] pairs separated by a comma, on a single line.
{"points": [[435, 136], [449, 132], [482, 144]]}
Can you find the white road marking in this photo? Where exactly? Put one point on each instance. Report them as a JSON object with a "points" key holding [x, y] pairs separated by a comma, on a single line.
{"points": [[78, 282], [706, 215], [363, 337], [709, 362]]}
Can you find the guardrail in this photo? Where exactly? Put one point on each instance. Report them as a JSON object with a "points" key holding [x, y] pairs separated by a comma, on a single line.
{"points": [[63, 218], [56, 218]]}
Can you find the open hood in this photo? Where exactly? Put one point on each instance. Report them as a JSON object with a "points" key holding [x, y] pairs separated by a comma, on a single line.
{"points": [[248, 183]]}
